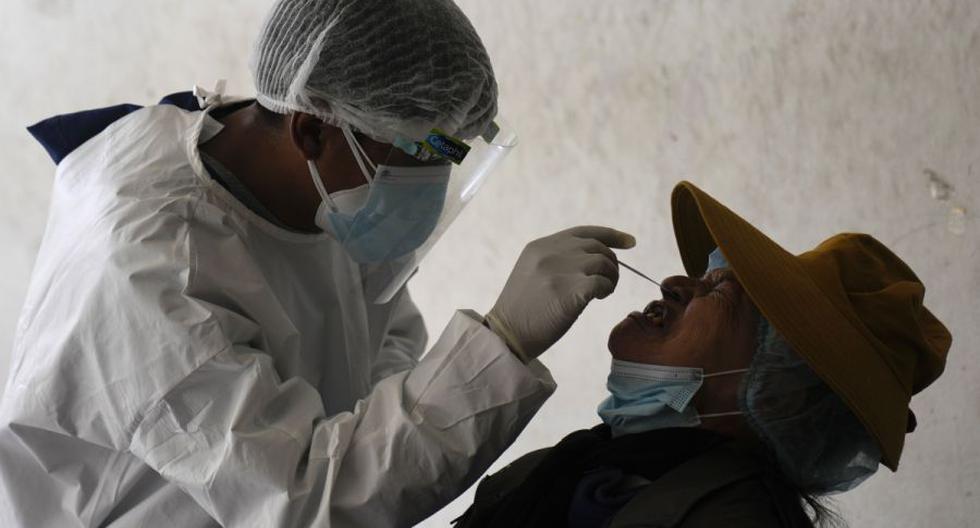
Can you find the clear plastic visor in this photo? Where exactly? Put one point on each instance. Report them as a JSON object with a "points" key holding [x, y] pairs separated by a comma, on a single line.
{"points": [[415, 193]]}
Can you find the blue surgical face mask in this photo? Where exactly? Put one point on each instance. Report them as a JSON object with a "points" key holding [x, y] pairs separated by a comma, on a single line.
{"points": [[402, 208], [390, 216], [644, 397]]}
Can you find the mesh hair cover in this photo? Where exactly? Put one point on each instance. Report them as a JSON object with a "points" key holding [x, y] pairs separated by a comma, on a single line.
{"points": [[388, 68], [819, 443]]}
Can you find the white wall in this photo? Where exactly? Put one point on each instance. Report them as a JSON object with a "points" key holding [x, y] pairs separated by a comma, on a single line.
{"points": [[809, 118]]}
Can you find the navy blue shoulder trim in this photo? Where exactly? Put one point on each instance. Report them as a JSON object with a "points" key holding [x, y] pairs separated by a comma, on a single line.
{"points": [[184, 100], [62, 134]]}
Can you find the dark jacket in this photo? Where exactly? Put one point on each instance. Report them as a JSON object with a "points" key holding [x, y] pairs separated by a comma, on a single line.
{"points": [[719, 484]]}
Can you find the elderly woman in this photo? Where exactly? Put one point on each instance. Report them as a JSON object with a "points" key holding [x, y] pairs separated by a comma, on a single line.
{"points": [[760, 381]]}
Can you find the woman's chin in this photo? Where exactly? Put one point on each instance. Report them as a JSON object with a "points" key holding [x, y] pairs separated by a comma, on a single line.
{"points": [[629, 341], [616, 337]]}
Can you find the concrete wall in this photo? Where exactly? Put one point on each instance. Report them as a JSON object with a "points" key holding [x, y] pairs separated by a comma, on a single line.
{"points": [[809, 118]]}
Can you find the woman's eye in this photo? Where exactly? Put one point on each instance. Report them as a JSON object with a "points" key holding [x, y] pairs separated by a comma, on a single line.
{"points": [[726, 276], [720, 279], [717, 280], [714, 280]]}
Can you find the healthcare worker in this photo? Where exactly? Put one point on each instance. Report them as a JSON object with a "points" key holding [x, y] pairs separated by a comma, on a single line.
{"points": [[217, 330]]}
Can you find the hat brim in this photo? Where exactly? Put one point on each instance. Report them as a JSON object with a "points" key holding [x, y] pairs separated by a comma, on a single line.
{"points": [[779, 285]]}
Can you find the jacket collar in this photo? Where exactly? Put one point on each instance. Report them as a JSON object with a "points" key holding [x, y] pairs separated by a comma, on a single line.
{"points": [[677, 491]]}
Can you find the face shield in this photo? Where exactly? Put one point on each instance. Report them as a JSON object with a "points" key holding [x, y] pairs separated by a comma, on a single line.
{"points": [[411, 198]]}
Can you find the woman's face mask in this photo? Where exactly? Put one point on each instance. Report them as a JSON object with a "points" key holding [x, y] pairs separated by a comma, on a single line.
{"points": [[644, 397]]}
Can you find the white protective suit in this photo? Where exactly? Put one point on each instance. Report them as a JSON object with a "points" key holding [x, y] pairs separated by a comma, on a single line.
{"points": [[182, 362]]}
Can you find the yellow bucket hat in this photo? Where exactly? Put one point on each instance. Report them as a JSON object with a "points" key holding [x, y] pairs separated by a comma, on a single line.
{"points": [[850, 308]]}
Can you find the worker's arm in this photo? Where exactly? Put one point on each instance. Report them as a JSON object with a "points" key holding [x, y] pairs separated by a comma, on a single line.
{"points": [[256, 450], [404, 340]]}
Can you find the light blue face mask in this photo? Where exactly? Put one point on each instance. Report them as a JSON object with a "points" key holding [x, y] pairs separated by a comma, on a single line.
{"points": [[645, 397], [400, 212]]}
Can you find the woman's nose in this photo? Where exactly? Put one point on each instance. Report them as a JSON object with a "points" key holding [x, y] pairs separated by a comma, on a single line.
{"points": [[680, 288]]}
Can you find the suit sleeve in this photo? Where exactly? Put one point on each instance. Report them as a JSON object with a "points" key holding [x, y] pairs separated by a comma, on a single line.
{"points": [[256, 450], [404, 341]]}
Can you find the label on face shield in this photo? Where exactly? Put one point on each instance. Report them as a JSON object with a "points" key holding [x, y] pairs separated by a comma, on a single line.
{"points": [[446, 146]]}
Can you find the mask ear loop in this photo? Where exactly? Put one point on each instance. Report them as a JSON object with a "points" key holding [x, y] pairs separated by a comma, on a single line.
{"points": [[719, 415], [318, 182], [359, 154], [364, 154], [723, 373]]}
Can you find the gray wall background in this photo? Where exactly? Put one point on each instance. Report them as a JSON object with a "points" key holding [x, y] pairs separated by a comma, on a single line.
{"points": [[808, 118]]}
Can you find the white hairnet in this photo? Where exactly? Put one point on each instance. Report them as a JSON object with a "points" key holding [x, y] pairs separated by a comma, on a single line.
{"points": [[819, 443], [388, 68]]}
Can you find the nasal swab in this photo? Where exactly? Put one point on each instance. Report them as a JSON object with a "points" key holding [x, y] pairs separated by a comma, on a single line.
{"points": [[667, 292], [638, 272]]}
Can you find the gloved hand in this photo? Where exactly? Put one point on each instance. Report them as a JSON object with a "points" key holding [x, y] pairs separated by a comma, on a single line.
{"points": [[553, 281]]}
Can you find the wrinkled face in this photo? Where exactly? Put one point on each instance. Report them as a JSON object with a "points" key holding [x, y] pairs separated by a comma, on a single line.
{"points": [[708, 322]]}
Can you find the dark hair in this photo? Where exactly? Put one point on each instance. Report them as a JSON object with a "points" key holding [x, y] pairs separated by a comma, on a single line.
{"points": [[814, 507], [820, 513]]}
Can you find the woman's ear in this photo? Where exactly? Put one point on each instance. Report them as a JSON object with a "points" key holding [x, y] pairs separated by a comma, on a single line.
{"points": [[306, 132]]}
